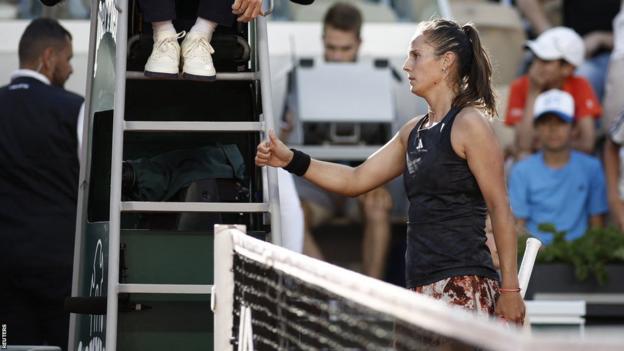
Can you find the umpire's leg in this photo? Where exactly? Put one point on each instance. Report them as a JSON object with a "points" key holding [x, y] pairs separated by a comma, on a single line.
{"points": [[219, 11], [158, 10]]}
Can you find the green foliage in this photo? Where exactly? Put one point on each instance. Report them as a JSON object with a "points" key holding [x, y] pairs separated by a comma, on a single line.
{"points": [[589, 254]]}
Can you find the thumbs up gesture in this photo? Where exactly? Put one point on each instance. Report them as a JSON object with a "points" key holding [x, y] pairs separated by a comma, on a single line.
{"points": [[273, 152]]}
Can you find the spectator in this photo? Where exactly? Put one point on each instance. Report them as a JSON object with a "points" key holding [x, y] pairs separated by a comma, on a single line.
{"points": [[557, 52], [39, 147], [592, 21], [558, 185], [341, 42]]}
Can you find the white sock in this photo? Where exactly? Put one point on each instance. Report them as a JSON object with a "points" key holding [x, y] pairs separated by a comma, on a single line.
{"points": [[163, 27], [204, 26]]}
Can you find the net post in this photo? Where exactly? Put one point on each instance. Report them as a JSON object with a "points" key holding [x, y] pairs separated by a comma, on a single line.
{"points": [[223, 289]]}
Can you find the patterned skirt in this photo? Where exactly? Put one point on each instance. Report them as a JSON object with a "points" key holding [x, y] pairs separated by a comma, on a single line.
{"points": [[474, 293], [471, 292]]}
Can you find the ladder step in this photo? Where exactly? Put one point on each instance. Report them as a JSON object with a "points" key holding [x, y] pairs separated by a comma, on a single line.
{"points": [[164, 288], [153, 126], [146, 206], [230, 76]]}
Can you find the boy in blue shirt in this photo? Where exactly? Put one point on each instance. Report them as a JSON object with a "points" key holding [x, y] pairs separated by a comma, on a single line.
{"points": [[557, 185]]}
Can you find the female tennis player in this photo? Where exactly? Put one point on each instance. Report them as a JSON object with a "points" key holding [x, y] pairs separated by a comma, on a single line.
{"points": [[453, 173]]}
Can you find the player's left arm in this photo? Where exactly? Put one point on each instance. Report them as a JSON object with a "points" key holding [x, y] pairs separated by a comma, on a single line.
{"points": [[473, 138]]}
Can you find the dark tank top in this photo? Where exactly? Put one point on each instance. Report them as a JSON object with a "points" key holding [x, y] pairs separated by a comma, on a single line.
{"points": [[446, 221]]}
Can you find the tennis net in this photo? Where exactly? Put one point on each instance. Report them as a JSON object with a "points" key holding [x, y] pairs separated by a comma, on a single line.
{"points": [[270, 298]]}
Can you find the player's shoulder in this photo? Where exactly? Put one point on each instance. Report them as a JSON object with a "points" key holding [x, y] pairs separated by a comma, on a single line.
{"points": [[472, 120]]}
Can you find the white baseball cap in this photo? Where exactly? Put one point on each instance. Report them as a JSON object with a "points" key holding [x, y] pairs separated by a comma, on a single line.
{"points": [[559, 43], [554, 102]]}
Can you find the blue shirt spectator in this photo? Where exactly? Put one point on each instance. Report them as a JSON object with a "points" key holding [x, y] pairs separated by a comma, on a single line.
{"points": [[557, 185], [565, 197]]}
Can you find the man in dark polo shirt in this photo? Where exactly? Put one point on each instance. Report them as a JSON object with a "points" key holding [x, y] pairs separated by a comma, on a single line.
{"points": [[40, 125]]}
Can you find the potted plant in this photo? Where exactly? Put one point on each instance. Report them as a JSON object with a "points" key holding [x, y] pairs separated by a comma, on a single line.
{"points": [[590, 264]]}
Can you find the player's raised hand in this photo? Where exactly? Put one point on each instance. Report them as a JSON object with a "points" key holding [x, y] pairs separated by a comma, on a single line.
{"points": [[273, 152]]}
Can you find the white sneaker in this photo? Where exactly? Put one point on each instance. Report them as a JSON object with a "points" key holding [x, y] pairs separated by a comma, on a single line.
{"points": [[197, 59], [164, 62]]}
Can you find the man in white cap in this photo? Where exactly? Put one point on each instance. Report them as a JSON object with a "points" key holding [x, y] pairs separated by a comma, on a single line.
{"points": [[557, 53], [557, 185]]}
